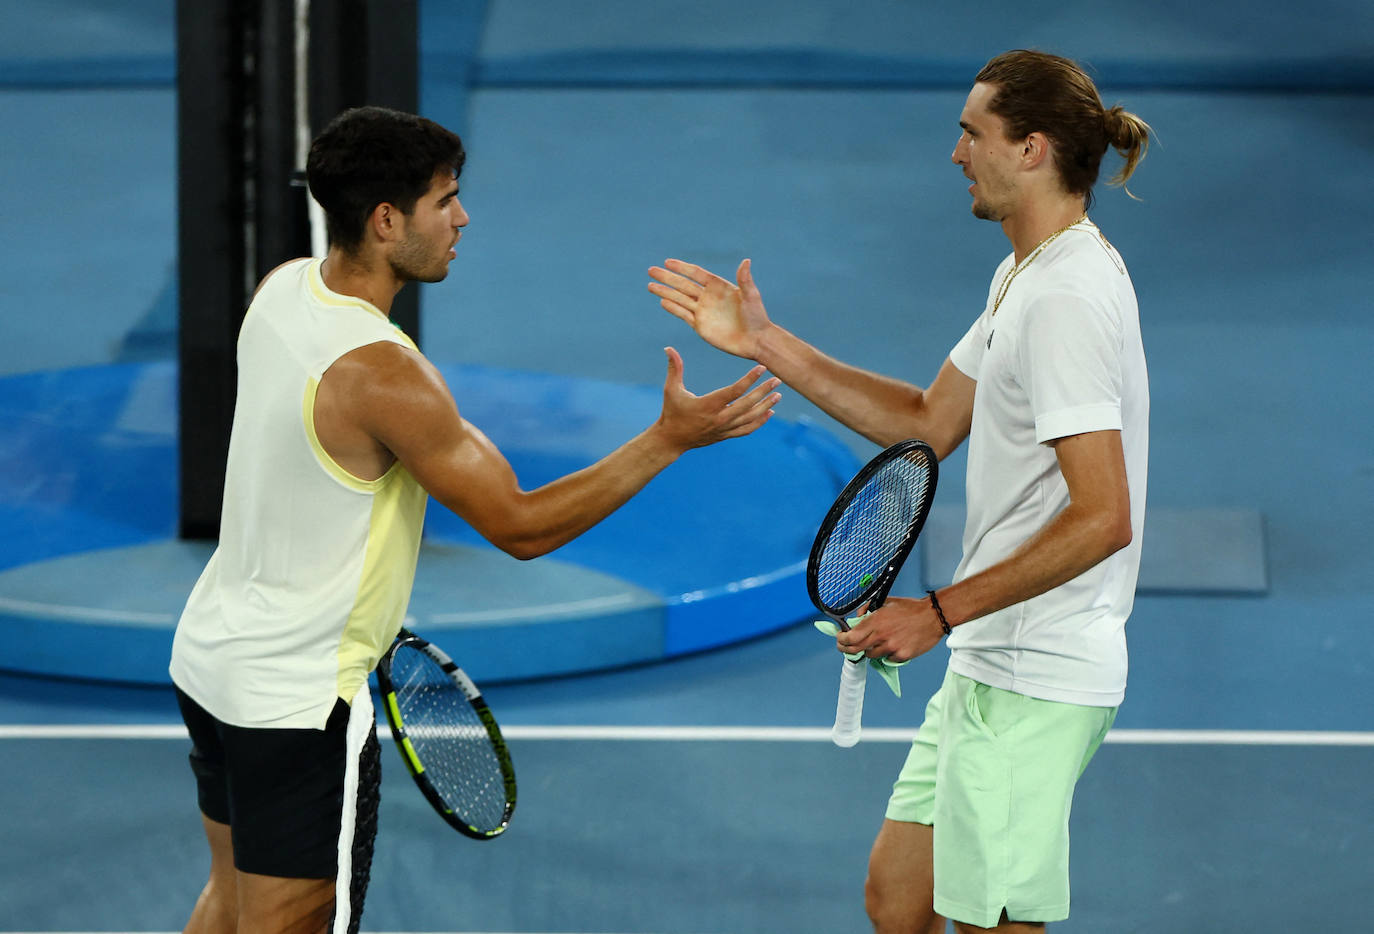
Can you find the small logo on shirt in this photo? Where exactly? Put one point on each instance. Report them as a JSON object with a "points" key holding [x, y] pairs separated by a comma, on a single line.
{"points": [[990, 333]]}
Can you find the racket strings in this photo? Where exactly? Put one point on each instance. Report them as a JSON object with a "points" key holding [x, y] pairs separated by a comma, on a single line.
{"points": [[871, 532], [450, 739]]}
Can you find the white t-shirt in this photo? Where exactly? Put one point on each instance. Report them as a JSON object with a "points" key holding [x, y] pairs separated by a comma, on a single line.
{"points": [[1061, 356], [314, 567]]}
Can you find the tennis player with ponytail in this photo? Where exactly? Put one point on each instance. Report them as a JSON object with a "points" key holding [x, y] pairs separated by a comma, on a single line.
{"points": [[1049, 387]]}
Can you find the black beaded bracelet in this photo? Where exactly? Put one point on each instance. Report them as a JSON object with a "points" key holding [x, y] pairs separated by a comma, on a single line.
{"points": [[944, 624]]}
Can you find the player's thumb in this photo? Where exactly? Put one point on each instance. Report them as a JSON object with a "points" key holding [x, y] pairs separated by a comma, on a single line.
{"points": [[744, 276], [674, 377]]}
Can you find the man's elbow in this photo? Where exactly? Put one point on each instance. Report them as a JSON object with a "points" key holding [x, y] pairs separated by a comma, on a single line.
{"points": [[1104, 531], [523, 548], [1116, 533], [507, 533]]}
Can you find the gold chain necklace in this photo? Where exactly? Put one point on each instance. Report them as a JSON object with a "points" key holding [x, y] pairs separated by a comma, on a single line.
{"points": [[1016, 270]]}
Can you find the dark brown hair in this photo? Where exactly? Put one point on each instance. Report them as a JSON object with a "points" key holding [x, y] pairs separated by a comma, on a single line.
{"points": [[1042, 93], [370, 155]]}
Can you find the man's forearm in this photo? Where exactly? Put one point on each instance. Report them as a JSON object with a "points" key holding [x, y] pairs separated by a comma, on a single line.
{"points": [[552, 515], [1071, 543], [882, 409]]}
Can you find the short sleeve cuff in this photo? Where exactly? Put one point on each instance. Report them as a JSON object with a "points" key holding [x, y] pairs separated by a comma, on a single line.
{"points": [[965, 356], [1105, 416]]}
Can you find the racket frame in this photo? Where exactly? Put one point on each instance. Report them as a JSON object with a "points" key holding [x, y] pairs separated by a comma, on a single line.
{"points": [[876, 592], [387, 688], [853, 673]]}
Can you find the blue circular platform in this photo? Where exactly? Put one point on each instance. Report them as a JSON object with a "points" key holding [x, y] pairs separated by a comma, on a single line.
{"points": [[92, 577]]}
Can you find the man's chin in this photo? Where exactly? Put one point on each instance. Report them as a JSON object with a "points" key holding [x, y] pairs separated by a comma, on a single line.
{"points": [[433, 275]]}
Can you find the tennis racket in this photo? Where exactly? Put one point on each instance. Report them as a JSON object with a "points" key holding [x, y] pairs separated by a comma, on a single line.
{"points": [[860, 548], [447, 736]]}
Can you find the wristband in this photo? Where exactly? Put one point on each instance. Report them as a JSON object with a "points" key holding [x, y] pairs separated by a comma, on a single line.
{"points": [[935, 604]]}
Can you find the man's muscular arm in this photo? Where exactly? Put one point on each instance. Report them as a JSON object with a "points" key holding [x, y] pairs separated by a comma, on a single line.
{"points": [[396, 397]]}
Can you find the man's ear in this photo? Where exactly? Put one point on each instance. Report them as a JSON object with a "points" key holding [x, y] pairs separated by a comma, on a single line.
{"points": [[385, 222], [1035, 149]]}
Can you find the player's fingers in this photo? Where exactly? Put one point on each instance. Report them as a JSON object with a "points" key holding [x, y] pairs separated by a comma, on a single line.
{"points": [[700, 275], [871, 644], [727, 394], [678, 311], [865, 638], [672, 295], [739, 415], [671, 280], [750, 425], [857, 637], [686, 269], [761, 394], [849, 642]]}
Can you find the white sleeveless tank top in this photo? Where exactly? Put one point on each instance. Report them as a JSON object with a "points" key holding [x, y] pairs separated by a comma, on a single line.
{"points": [[313, 572]]}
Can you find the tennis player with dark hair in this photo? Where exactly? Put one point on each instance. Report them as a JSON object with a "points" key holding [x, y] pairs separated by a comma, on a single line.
{"points": [[342, 430], [1049, 387]]}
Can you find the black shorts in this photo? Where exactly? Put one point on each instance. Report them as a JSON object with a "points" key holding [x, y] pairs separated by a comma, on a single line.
{"points": [[282, 792]]}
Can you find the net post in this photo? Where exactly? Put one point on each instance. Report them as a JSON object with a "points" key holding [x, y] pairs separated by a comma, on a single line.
{"points": [[238, 216], [242, 205]]}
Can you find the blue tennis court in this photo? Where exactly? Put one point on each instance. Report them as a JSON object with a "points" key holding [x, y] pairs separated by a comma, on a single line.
{"points": [[675, 771]]}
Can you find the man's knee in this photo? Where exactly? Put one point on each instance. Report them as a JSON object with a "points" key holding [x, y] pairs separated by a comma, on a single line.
{"points": [[898, 893], [893, 911]]}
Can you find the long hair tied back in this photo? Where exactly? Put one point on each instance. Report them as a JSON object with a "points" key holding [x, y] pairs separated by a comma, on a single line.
{"points": [[1042, 93], [1128, 135]]}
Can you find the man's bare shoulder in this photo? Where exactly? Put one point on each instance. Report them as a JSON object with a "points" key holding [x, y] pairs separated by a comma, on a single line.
{"points": [[386, 375]]}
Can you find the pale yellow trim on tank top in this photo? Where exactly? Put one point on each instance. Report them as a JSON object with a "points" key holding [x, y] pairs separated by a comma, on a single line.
{"points": [[327, 296], [331, 466], [385, 583]]}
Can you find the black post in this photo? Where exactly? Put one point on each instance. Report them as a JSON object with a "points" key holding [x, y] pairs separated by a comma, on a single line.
{"points": [[211, 102], [243, 209], [238, 214]]}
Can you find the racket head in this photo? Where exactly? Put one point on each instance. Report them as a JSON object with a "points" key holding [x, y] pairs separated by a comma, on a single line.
{"points": [[870, 529], [447, 737]]}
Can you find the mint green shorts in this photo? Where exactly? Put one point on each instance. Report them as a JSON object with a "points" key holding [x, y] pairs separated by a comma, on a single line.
{"points": [[993, 772]]}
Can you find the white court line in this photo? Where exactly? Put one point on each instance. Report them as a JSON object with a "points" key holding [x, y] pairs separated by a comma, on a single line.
{"points": [[751, 734]]}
